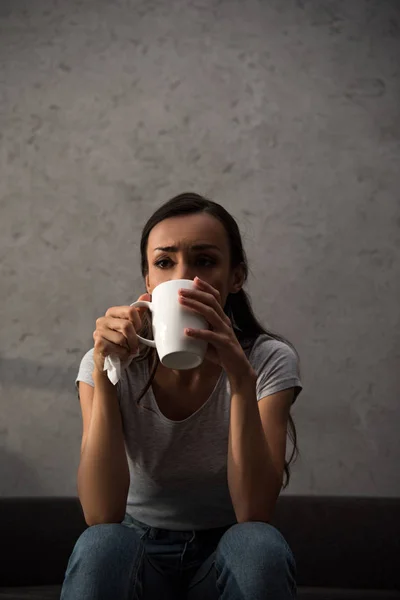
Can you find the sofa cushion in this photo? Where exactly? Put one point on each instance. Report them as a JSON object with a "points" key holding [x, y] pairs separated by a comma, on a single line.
{"points": [[343, 542], [39, 534], [40, 592], [339, 542], [53, 593]]}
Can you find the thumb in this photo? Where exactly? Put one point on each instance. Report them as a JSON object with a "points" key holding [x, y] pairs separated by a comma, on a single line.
{"points": [[145, 297], [143, 309]]}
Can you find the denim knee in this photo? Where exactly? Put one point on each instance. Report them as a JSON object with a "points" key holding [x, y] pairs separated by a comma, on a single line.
{"points": [[256, 556], [104, 557], [99, 546]]}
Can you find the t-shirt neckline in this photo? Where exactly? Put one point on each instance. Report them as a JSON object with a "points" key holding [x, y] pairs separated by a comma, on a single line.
{"points": [[157, 409]]}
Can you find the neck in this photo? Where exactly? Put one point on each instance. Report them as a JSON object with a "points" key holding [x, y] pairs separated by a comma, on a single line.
{"points": [[187, 377]]}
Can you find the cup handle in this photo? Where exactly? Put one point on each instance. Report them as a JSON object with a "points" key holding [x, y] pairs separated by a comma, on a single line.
{"points": [[148, 305]]}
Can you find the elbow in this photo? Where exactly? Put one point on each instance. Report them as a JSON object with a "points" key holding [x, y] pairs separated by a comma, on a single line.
{"points": [[261, 512], [102, 515], [93, 519], [262, 517]]}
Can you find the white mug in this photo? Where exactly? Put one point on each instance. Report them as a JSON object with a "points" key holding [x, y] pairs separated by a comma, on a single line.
{"points": [[169, 320]]}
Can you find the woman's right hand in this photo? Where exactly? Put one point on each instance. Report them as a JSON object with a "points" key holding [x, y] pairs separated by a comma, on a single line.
{"points": [[115, 333]]}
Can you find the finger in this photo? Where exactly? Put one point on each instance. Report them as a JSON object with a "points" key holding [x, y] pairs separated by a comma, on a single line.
{"points": [[126, 328], [205, 298], [216, 318], [106, 348], [203, 285], [143, 309], [123, 312], [128, 313], [117, 331], [212, 337]]}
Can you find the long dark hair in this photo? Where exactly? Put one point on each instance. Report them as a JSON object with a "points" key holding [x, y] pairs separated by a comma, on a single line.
{"points": [[237, 307]]}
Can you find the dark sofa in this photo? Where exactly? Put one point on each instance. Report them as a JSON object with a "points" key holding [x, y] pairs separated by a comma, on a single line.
{"points": [[345, 547]]}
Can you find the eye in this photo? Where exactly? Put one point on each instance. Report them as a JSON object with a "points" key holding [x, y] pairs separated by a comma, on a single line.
{"points": [[206, 261], [163, 263]]}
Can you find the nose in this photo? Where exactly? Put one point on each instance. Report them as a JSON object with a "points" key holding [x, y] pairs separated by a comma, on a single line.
{"points": [[185, 271]]}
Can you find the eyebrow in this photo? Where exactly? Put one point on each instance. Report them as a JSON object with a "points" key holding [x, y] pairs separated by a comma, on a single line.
{"points": [[194, 247]]}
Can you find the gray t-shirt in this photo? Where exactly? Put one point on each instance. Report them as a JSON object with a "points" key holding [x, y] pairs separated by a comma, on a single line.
{"points": [[178, 469]]}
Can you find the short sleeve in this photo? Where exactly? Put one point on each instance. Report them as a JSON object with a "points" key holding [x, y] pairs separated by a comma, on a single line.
{"points": [[85, 370], [277, 367]]}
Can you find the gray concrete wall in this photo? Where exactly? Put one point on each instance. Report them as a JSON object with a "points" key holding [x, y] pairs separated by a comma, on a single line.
{"points": [[288, 113]]}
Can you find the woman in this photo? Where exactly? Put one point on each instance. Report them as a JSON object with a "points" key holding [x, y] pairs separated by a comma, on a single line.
{"points": [[180, 470]]}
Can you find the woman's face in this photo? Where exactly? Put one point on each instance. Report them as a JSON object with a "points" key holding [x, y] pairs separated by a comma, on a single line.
{"points": [[188, 246]]}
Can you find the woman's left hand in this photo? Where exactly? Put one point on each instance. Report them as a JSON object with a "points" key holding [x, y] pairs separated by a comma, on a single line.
{"points": [[223, 345]]}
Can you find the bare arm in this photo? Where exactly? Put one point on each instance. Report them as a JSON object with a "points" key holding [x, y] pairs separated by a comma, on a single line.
{"points": [[103, 474], [257, 430], [256, 455]]}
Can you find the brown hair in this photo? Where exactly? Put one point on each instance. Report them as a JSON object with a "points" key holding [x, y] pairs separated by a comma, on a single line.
{"points": [[237, 307]]}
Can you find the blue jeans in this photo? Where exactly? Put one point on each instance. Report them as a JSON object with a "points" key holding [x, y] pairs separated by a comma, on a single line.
{"points": [[131, 561]]}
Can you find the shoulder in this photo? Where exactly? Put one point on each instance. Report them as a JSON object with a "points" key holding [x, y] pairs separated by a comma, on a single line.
{"points": [[276, 364], [85, 370], [133, 376], [269, 349], [87, 363], [87, 358]]}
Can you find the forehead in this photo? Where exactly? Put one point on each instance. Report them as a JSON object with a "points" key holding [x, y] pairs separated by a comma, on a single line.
{"points": [[187, 230]]}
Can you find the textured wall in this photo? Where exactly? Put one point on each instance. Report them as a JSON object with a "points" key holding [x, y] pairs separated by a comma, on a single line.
{"points": [[285, 112]]}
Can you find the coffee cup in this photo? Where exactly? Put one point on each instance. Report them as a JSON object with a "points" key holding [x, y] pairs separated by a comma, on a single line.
{"points": [[169, 319]]}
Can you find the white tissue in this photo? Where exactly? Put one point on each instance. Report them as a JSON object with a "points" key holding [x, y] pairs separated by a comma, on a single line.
{"points": [[113, 366]]}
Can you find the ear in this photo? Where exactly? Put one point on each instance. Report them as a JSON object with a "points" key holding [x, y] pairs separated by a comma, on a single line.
{"points": [[147, 281], [238, 277]]}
